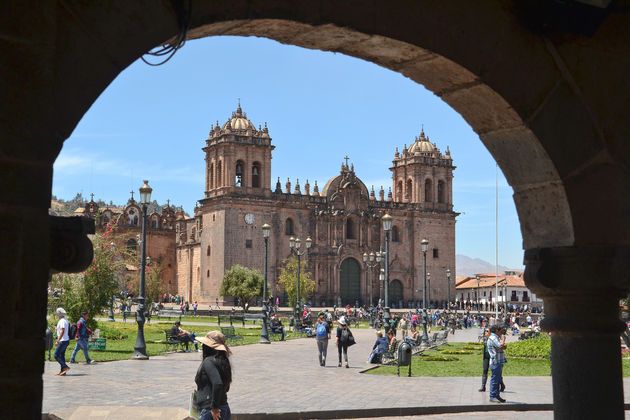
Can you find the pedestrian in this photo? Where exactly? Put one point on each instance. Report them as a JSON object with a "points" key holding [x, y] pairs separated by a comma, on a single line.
{"points": [[217, 303], [82, 336], [195, 308], [403, 326], [343, 339], [497, 360], [214, 377], [63, 339], [322, 329]]}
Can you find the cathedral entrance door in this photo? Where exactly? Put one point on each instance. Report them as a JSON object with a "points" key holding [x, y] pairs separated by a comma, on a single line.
{"points": [[350, 282], [395, 293]]}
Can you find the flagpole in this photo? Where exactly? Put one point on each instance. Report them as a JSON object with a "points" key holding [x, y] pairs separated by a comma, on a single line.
{"points": [[496, 247]]}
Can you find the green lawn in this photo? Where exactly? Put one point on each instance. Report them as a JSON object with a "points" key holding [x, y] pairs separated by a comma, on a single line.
{"points": [[121, 338], [466, 365]]}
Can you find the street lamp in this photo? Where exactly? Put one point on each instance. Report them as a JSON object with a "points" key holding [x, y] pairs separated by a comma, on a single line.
{"points": [[140, 347], [387, 227], [478, 313], [294, 245], [429, 290], [448, 289], [371, 261], [381, 279], [424, 244], [264, 334]]}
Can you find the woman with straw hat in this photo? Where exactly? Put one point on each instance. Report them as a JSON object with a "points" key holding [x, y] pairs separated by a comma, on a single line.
{"points": [[214, 377]]}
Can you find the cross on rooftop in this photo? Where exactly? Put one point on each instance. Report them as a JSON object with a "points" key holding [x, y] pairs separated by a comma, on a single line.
{"points": [[92, 197], [346, 158], [131, 194]]}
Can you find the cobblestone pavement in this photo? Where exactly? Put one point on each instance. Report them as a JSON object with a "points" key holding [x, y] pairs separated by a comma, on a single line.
{"points": [[278, 378]]}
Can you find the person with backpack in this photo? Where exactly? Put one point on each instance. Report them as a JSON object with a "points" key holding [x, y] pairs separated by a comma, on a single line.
{"points": [[63, 327], [81, 334], [323, 335], [344, 339]]}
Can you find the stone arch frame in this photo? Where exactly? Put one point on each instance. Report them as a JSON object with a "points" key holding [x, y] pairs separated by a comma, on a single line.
{"points": [[428, 190], [527, 119], [239, 172], [289, 227], [409, 190], [441, 191], [211, 183], [256, 174], [399, 190], [220, 173]]}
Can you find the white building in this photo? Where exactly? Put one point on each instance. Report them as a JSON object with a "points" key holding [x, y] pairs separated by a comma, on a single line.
{"points": [[482, 288]]}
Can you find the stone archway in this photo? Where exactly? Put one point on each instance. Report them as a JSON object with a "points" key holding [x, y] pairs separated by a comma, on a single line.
{"points": [[350, 282], [549, 102]]}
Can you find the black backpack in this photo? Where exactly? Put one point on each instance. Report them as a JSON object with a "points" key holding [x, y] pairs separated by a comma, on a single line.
{"points": [[72, 332]]}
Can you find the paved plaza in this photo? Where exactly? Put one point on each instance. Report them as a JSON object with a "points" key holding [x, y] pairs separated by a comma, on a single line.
{"points": [[285, 377]]}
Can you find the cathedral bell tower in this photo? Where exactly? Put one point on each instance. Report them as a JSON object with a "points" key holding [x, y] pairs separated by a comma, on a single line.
{"points": [[238, 157], [422, 175]]}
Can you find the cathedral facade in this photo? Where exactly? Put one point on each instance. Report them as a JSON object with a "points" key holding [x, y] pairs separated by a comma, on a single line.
{"points": [[343, 220]]}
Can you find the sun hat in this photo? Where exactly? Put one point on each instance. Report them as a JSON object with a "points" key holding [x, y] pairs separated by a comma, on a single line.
{"points": [[60, 312], [215, 340], [342, 321]]}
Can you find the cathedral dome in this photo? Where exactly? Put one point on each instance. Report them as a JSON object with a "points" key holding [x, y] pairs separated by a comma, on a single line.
{"points": [[422, 145], [239, 121]]}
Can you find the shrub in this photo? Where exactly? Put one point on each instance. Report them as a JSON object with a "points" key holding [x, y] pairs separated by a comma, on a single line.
{"points": [[538, 347], [456, 352], [439, 358]]}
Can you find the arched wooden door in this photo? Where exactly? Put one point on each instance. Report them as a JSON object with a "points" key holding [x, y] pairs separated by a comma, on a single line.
{"points": [[350, 282]]}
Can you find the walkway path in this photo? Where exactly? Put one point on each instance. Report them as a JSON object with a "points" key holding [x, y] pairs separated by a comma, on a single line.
{"points": [[277, 378]]}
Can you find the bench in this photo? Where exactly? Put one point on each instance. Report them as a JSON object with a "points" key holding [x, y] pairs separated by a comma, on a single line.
{"points": [[392, 353], [230, 333], [253, 317], [169, 313], [173, 341]]}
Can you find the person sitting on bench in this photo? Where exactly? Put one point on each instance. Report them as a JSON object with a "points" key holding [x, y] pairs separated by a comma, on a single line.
{"points": [[276, 326], [183, 335]]}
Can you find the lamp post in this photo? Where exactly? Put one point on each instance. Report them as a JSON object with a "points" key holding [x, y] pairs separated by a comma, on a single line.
{"points": [[264, 333], [140, 348], [381, 279], [387, 227], [505, 296], [294, 245], [478, 312], [429, 290], [424, 342], [371, 261], [110, 317], [448, 289]]}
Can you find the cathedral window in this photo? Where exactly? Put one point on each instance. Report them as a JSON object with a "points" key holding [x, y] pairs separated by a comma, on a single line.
{"points": [[211, 186], [395, 234], [350, 234], [239, 174], [208, 273], [248, 243], [399, 191], [256, 175], [208, 251], [409, 190], [288, 227], [428, 196], [436, 253], [220, 174], [440, 191]]}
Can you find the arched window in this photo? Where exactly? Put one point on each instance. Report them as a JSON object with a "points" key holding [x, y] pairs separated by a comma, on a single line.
{"points": [[256, 175], [208, 251], [395, 234], [440, 191], [238, 182], [220, 174], [409, 190], [132, 245], [428, 196], [350, 229], [399, 191], [154, 222], [288, 227], [193, 234], [211, 176]]}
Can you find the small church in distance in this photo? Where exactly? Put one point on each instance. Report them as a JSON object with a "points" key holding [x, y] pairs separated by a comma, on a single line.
{"points": [[343, 219]]}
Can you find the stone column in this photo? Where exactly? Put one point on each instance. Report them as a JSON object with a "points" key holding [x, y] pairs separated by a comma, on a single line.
{"points": [[24, 258], [581, 287]]}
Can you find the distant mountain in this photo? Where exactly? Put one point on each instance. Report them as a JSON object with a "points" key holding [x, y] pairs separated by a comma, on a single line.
{"points": [[467, 266]]}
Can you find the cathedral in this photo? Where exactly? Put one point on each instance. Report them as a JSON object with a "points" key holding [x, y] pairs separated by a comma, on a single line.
{"points": [[343, 221]]}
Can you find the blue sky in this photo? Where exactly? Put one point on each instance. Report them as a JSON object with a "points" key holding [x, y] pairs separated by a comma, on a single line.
{"points": [[152, 122]]}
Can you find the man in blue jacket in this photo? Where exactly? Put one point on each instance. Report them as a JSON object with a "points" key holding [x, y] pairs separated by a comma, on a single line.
{"points": [[82, 336]]}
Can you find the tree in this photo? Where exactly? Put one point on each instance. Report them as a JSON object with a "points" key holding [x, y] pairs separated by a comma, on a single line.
{"points": [[153, 286], [288, 280], [242, 282], [92, 290]]}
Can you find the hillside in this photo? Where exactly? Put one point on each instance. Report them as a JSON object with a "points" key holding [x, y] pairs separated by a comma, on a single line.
{"points": [[467, 266]]}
